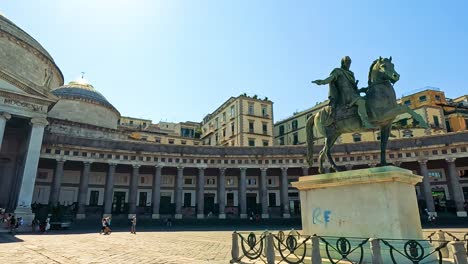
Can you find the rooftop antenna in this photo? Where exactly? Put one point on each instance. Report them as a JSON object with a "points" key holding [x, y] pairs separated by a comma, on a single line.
{"points": [[82, 75]]}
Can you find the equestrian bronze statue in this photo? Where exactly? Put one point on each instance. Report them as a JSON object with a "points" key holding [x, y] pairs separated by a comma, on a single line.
{"points": [[348, 112]]}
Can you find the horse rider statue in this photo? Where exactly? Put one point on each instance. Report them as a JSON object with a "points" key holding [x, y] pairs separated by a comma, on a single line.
{"points": [[344, 92]]}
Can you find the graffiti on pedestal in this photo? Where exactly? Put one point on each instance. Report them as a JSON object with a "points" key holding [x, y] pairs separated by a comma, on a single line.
{"points": [[321, 216]]}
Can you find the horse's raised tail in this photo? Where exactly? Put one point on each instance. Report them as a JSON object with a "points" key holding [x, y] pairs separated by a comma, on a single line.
{"points": [[310, 140]]}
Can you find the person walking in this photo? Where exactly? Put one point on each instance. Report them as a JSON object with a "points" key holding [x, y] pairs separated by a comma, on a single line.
{"points": [[133, 228], [13, 224]]}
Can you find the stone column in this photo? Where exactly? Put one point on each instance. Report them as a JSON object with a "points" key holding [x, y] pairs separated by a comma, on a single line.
{"points": [[23, 207], [454, 181], [264, 192], [109, 190], [222, 193], [133, 191], [284, 193], [56, 182], [156, 195], [4, 117], [242, 193], [201, 193], [83, 190], [178, 193], [305, 171], [426, 184]]}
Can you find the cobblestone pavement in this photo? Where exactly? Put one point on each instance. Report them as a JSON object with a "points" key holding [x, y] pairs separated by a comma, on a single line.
{"points": [[122, 247], [119, 247]]}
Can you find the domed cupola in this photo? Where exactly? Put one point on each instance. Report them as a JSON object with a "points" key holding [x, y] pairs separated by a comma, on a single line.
{"points": [[80, 102]]}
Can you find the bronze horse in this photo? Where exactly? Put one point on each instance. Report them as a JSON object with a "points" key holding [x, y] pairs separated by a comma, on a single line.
{"points": [[382, 109]]}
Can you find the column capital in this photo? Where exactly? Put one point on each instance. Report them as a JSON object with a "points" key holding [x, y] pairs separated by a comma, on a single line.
{"points": [[201, 168], [39, 121], [158, 166], [423, 162], [222, 170], [5, 115], [284, 169], [243, 169], [263, 169], [180, 168], [112, 164], [136, 166], [61, 160], [450, 160]]}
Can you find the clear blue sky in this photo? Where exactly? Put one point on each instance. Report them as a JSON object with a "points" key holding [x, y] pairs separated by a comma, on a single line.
{"points": [[179, 60]]}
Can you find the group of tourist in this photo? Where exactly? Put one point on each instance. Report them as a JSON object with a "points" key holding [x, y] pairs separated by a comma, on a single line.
{"points": [[105, 226], [12, 222]]}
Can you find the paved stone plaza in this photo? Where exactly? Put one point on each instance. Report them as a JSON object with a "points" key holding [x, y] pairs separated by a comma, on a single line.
{"points": [[122, 247], [119, 247]]}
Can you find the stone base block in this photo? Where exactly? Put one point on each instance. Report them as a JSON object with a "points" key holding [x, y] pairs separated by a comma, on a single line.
{"points": [[155, 216], [243, 216], [80, 216], [461, 214], [265, 216], [286, 216], [372, 203], [200, 216], [222, 216], [178, 216]]}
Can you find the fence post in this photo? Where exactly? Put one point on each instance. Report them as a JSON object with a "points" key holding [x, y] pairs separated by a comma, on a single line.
{"points": [[316, 258], [441, 237], [459, 253], [235, 248], [270, 254], [376, 251]]}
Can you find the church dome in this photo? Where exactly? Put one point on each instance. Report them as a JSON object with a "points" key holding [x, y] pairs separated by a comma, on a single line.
{"points": [[80, 102], [24, 63]]}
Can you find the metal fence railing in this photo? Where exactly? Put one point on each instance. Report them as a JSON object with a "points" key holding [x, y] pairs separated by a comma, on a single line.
{"points": [[294, 248]]}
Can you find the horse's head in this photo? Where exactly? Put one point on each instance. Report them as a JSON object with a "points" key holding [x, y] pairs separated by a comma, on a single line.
{"points": [[383, 69]]}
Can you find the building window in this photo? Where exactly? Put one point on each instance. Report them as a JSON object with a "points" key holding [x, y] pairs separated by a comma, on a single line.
{"points": [[210, 181], [188, 181], [271, 181], [251, 126], [281, 130], [224, 132], [166, 179], [143, 198], [422, 98], [42, 175], [131, 122], [436, 121], [272, 199], [183, 142], [407, 102], [264, 111], [357, 137], [251, 181], [224, 116], [407, 133], [251, 142], [295, 139], [171, 141], [265, 143], [233, 111], [229, 181], [157, 140], [265, 128], [94, 198], [435, 174], [216, 123], [187, 199], [230, 199], [437, 98], [251, 108], [142, 180], [281, 140], [232, 128], [294, 124]]}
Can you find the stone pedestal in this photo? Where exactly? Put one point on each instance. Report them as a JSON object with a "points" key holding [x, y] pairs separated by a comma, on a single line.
{"points": [[155, 216], [376, 203], [178, 216]]}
